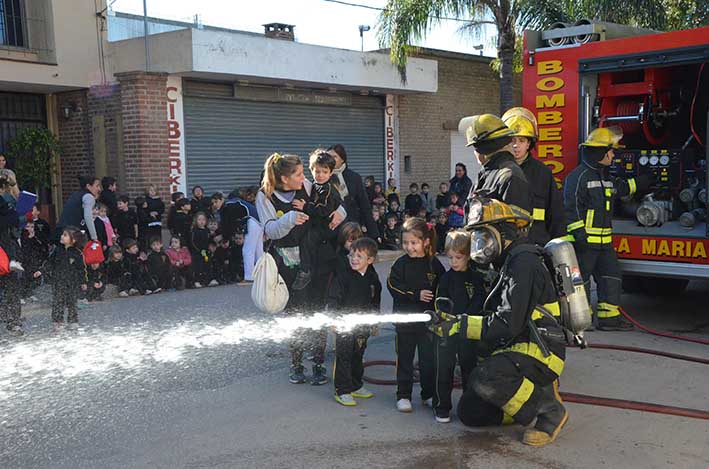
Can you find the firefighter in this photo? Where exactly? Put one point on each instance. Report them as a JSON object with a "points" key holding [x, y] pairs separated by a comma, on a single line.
{"points": [[589, 196], [500, 177], [547, 205], [516, 379]]}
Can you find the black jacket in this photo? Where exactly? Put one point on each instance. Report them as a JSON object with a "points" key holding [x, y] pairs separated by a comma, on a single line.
{"points": [[413, 203], [357, 203], [460, 186], [408, 276], [501, 178], [466, 289], [124, 223], [181, 227], [324, 199], [116, 269], [589, 196], [444, 200], [199, 241], [353, 292], [109, 199], [547, 205], [34, 253], [65, 268]]}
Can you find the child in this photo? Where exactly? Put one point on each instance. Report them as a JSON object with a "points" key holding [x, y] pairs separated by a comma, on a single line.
{"points": [[378, 197], [394, 208], [181, 260], [236, 257], [199, 244], [33, 254], [443, 198], [412, 281], [456, 213], [213, 227], [41, 228], [182, 221], [96, 282], [215, 266], [156, 208], [174, 197], [108, 226], [67, 272], [413, 201], [379, 220], [199, 202], [125, 221], [216, 204], [101, 233], [353, 290], [369, 187], [136, 266], [392, 193], [422, 214], [221, 260], [349, 233], [324, 200], [118, 272], [465, 287], [159, 266], [108, 196], [442, 229], [429, 203], [392, 233]]}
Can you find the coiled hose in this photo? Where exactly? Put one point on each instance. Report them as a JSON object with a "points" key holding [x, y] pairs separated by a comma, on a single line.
{"points": [[605, 401]]}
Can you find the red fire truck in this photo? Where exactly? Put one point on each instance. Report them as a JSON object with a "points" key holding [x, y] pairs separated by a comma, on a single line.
{"points": [[655, 86]]}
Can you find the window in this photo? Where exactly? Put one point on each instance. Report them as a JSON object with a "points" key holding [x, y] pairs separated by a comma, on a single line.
{"points": [[12, 25]]}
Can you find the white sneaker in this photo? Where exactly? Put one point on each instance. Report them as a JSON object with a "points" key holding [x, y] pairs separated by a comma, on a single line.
{"points": [[148, 292], [157, 290], [133, 292], [33, 299], [363, 393], [404, 405], [83, 302], [197, 285], [123, 294], [428, 402], [22, 301], [213, 283], [16, 267], [72, 326]]}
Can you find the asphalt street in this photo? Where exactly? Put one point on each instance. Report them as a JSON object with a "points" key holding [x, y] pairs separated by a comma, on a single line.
{"points": [[170, 380]]}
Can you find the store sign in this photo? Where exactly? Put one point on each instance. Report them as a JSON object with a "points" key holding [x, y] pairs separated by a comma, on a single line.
{"points": [[391, 139], [176, 136], [686, 250]]}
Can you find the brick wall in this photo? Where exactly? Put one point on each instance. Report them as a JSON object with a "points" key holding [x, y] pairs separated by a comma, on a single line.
{"points": [[466, 86], [75, 140], [143, 105], [105, 100]]}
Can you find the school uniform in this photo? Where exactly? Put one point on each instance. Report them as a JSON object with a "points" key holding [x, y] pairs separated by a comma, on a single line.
{"points": [[118, 273], [352, 292], [93, 277], [392, 238], [141, 280], [33, 253], [182, 272], [124, 223], [160, 269], [181, 227], [67, 272], [199, 244], [408, 276], [317, 243]]}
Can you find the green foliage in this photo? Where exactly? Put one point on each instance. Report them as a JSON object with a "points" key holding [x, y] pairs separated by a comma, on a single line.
{"points": [[33, 149]]}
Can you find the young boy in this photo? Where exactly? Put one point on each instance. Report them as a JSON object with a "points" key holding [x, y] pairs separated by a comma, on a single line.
{"points": [[427, 198], [215, 265], [125, 221], [159, 267], [35, 251], [392, 192], [442, 229], [236, 257], [456, 213], [464, 286], [41, 228], [136, 262], [96, 283], [324, 199], [443, 199], [182, 221], [394, 208], [118, 272], [353, 290], [392, 233], [413, 201], [174, 197]]}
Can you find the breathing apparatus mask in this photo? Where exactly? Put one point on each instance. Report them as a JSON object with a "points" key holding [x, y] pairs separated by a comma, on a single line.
{"points": [[492, 224], [486, 244]]}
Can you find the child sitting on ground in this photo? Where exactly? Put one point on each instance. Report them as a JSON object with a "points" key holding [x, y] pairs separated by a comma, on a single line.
{"points": [[324, 200], [181, 260], [96, 282], [354, 289], [464, 286], [118, 272], [136, 265], [159, 266]]}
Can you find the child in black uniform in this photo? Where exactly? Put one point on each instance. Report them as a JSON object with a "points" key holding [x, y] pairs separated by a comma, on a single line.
{"points": [[412, 282], [96, 282], [199, 245], [392, 233], [35, 249], [464, 286], [159, 266], [67, 271], [324, 199], [118, 272], [355, 289], [125, 220], [138, 271], [182, 222]]}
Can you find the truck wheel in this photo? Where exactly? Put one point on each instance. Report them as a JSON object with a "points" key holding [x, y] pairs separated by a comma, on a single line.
{"points": [[633, 284], [658, 286]]}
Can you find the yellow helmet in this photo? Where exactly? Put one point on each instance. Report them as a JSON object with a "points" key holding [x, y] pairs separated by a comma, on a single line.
{"points": [[483, 128], [484, 211], [522, 122], [605, 137]]}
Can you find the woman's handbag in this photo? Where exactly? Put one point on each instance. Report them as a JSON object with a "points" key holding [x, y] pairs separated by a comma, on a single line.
{"points": [[269, 291]]}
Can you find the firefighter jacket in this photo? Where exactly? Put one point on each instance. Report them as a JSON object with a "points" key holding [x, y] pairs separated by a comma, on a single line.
{"points": [[589, 196], [501, 178], [523, 287], [547, 204]]}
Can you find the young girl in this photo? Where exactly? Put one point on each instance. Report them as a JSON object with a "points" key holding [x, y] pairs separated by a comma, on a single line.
{"points": [[156, 208], [181, 261], [199, 244], [67, 270], [280, 203], [110, 234], [412, 282], [465, 287]]}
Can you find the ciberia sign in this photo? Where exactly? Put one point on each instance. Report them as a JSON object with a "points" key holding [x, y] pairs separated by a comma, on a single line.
{"points": [[175, 135]]}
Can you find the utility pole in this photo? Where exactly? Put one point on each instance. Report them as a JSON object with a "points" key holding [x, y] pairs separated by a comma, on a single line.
{"points": [[145, 35]]}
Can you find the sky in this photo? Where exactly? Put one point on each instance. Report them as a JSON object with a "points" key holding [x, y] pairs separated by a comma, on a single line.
{"points": [[316, 21]]}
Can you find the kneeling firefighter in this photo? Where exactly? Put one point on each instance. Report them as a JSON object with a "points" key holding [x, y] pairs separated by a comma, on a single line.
{"points": [[517, 334]]}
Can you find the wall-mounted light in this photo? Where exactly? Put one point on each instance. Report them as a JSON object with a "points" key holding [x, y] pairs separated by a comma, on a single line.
{"points": [[362, 29], [68, 109], [479, 48]]}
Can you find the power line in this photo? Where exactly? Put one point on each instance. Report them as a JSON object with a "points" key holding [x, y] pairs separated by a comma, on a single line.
{"points": [[368, 7]]}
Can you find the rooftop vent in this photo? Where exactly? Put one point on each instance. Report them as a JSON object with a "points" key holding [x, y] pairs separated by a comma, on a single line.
{"points": [[279, 31]]}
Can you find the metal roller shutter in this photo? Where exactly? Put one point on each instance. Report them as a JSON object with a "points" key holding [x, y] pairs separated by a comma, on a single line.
{"points": [[227, 140]]}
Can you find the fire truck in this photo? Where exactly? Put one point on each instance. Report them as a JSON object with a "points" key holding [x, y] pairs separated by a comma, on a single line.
{"points": [[655, 86]]}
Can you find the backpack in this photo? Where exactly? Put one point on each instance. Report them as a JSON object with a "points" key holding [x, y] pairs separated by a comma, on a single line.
{"points": [[93, 253], [4, 262], [269, 291]]}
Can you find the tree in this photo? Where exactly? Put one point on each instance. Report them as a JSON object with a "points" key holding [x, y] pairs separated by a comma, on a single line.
{"points": [[404, 21], [33, 149]]}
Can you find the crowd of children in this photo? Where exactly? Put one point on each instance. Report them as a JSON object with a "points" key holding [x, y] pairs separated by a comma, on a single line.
{"points": [[445, 210]]}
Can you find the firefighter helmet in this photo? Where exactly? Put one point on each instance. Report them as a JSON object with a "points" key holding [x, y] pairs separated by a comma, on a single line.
{"points": [[484, 211], [522, 122], [483, 128], [608, 137]]}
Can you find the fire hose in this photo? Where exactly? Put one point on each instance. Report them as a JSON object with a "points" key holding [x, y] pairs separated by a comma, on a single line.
{"points": [[605, 401]]}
